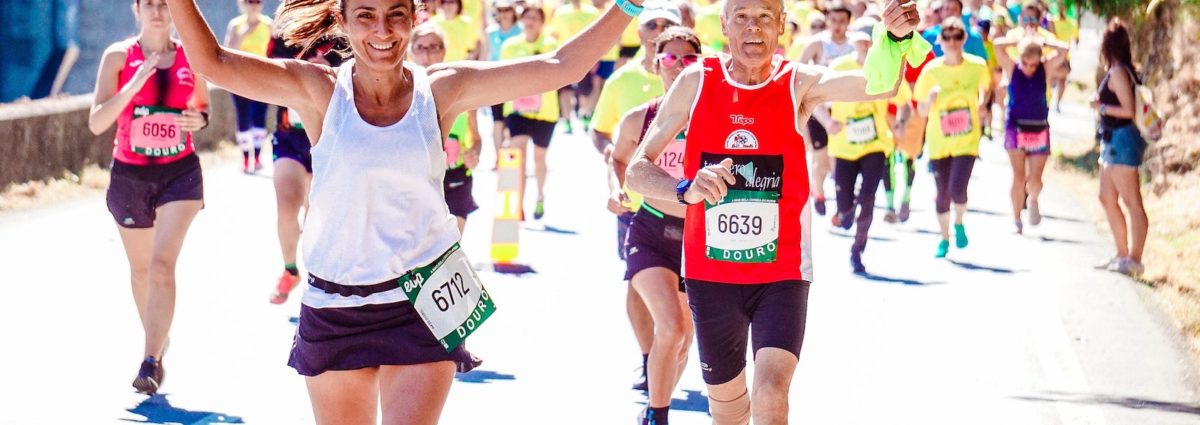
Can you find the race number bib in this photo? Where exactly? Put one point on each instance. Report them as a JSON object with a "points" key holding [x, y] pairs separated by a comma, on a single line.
{"points": [[449, 297], [453, 150], [155, 131], [861, 130], [956, 122], [743, 228], [1033, 140], [671, 159], [528, 104]]}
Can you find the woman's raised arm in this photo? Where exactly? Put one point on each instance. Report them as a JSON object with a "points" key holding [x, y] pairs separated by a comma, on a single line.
{"points": [[471, 84]]}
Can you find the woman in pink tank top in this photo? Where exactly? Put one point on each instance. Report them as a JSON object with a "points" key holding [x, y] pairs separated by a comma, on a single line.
{"points": [[147, 88]]}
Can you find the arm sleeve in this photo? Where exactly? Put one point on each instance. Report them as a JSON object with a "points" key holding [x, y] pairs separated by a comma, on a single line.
{"points": [[885, 58]]}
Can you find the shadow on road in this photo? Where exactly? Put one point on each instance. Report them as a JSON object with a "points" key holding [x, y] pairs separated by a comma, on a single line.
{"points": [[884, 279], [839, 233], [510, 268], [695, 402], [479, 376], [1057, 240], [551, 229], [1126, 402], [976, 267], [158, 410]]}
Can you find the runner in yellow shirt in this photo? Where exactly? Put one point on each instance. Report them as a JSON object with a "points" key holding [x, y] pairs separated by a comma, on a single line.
{"points": [[462, 34], [250, 32], [568, 20], [951, 90], [531, 118], [860, 142], [708, 24], [1067, 32]]}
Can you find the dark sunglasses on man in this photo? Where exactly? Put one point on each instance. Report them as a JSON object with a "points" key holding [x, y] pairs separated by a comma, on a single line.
{"points": [[954, 36], [668, 60], [654, 25]]}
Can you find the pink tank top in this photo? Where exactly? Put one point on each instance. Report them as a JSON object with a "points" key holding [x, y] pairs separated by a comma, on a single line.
{"points": [[146, 131]]}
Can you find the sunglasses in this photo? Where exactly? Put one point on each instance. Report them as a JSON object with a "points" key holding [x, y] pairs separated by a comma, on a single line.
{"points": [[505, 9], [654, 25], [432, 48], [668, 60], [955, 36], [253, 1]]}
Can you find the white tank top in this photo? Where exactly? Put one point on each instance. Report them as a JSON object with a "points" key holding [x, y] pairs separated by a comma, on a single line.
{"points": [[831, 50], [377, 207]]}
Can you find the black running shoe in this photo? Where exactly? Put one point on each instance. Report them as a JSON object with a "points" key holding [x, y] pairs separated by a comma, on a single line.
{"points": [[857, 264], [819, 206], [149, 376]]}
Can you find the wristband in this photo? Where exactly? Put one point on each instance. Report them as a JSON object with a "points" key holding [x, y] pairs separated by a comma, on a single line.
{"points": [[205, 115], [629, 8], [899, 39], [1103, 108]]}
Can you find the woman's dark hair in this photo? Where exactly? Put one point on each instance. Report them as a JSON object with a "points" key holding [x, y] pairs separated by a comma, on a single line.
{"points": [[677, 32], [1114, 46], [532, 8], [305, 22]]}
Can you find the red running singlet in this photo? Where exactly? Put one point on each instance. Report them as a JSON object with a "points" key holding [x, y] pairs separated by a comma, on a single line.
{"points": [[755, 235], [146, 133]]}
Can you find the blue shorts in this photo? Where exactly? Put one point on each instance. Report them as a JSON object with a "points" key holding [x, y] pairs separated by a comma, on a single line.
{"points": [[1123, 146], [293, 145], [605, 69]]}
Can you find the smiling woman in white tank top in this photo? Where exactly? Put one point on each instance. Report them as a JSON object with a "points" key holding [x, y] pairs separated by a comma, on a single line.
{"points": [[378, 227]]}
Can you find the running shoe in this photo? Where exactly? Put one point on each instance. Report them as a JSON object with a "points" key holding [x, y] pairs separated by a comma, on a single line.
{"points": [[1128, 266], [257, 165], [819, 206], [843, 220], [1035, 214], [960, 236], [287, 282], [890, 216], [539, 210], [646, 417], [149, 376], [586, 121], [1020, 226], [857, 264], [246, 165], [1109, 264], [943, 249], [567, 126], [904, 211]]}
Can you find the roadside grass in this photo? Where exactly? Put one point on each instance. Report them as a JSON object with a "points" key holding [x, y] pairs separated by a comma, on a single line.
{"points": [[93, 179]]}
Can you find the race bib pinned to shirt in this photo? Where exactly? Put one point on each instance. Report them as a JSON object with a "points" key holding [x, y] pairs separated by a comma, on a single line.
{"points": [[956, 122], [528, 104], [155, 131], [671, 159], [861, 130], [449, 297], [744, 227]]}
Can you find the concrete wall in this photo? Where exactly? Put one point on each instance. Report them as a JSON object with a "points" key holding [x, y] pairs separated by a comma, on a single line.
{"points": [[44, 138], [103, 22]]}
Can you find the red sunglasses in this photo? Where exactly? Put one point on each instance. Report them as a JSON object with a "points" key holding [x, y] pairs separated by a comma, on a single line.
{"points": [[668, 60]]}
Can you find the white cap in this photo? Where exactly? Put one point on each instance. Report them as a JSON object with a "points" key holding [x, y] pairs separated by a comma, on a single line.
{"points": [[654, 9]]}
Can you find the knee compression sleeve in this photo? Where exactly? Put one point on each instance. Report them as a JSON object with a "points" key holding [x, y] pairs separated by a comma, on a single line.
{"points": [[731, 412]]}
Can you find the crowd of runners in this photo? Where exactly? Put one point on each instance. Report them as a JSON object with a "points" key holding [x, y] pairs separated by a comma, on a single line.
{"points": [[718, 122]]}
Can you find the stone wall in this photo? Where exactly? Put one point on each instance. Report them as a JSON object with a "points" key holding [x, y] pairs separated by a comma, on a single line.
{"points": [[45, 138]]}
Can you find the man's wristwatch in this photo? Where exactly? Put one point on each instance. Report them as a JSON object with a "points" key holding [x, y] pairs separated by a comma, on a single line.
{"points": [[681, 189]]}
